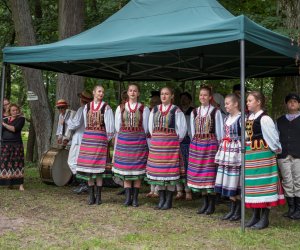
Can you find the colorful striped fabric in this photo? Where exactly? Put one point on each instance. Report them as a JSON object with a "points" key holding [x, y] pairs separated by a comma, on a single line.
{"points": [[202, 170], [228, 180], [131, 154], [262, 184], [164, 166], [93, 152]]}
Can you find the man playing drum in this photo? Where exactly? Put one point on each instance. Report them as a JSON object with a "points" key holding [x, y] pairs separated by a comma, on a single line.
{"points": [[65, 114]]}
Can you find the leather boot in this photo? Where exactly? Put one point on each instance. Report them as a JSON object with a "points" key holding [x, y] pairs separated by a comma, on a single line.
{"points": [[135, 197], [291, 205], [204, 207], [296, 214], [128, 199], [169, 200], [91, 200], [211, 204], [255, 217], [237, 213], [162, 199], [231, 211], [98, 195], [264, 220]]}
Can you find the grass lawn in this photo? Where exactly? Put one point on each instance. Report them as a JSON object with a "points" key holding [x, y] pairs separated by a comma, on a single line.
{"points": [[49, 217]]}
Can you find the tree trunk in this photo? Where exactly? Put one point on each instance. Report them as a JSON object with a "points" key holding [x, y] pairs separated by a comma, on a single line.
{"points": [[40, 109], [30, 143], [284, 85], [71, 22]]}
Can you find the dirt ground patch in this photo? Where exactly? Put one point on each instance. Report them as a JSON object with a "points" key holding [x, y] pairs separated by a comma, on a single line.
{"points": [[10, 224]]}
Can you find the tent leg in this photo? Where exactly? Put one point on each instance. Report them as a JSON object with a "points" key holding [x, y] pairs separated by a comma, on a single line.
{"points": [[242, 79], [1, 99]]}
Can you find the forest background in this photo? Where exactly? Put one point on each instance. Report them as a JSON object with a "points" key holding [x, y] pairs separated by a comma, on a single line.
{"points": [[29, 22]]}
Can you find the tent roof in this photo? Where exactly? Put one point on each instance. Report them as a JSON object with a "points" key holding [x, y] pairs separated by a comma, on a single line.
{"points": [[165, 40]]}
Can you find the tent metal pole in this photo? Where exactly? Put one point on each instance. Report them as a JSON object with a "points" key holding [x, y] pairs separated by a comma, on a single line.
{"points": [[1, 99], [242, 80]]}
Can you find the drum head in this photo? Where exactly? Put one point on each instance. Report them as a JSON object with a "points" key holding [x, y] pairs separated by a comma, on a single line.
{"points": [[61, 172]]}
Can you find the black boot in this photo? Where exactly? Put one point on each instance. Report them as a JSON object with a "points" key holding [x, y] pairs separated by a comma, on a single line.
{"points": [[204, 207], [291, 205], [91, 200], [169, 200], [264, 220], [128, 201], [98, 195], [255, 217], [135, 197], [296, 214], [211, 204], [237, 213], [231, 211], [162, 199]]}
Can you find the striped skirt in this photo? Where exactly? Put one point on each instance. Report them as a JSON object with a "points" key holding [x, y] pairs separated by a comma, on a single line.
{"points": [[228, 180], [164, 165], [131, 155], [262, 184], [93, 154], [202, 170]]}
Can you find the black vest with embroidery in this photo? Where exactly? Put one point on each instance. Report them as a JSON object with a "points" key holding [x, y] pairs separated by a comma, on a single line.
{"points": [[289, 136]]}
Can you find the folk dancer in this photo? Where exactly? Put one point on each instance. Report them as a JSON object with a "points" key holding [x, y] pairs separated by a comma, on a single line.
{"points": [[76, 125], [228, 159], [262, 185], [167, 127], [131, 151], [99, 129], [289, 160], [206, 132]]}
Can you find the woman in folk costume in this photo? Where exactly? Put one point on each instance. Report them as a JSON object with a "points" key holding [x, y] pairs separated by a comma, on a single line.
{"points": [[206, 131], [262, 184], [99, 129], [167, 126], [228, 158], [131, 151]]}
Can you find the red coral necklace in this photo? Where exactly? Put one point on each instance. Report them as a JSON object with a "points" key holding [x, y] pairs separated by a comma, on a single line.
{"points": [[164, 113], [98, 106], [133, 110]]}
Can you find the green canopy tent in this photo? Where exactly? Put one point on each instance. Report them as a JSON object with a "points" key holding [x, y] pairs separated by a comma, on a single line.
{"points": [[167, 40]]}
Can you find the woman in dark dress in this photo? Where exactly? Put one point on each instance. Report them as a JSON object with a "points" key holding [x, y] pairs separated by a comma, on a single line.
{"points": [[12, 150]]}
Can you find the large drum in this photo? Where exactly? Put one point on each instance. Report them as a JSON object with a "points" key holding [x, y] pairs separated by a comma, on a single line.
{"points": [[54, 167]]}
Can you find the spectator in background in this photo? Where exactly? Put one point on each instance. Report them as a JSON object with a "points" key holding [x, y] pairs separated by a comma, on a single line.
{"points": [[5, 107], [12, 150], [186, 107]]}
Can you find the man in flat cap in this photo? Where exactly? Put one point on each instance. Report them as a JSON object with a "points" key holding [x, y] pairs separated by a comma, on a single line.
{"points": [[62, 133], [289, 160]]}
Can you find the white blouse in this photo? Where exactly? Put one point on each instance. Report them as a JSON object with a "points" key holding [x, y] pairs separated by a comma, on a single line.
{"points": [[218, 121], [269, 131], [108, 119], [118, 118], [180, 122], [77, 124]]}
